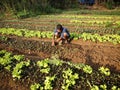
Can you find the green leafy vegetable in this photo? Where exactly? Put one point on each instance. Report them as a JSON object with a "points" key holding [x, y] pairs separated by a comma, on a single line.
{"points": [[105, 71]]}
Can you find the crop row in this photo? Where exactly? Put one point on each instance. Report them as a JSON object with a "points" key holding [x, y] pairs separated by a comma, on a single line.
{"points": [[79, 16], [72, 28], [101, 31], [115, 39], [100, 27], [50, 74], [25, 33], [67, 22], [97, 22], [71, 22]]}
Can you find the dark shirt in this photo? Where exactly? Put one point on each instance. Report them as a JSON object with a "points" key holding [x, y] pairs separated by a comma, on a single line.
{"points": [[62, 33]]}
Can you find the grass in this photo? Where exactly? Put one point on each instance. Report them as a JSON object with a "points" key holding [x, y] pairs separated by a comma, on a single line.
{"points": [[26, 14], [1, 16]]}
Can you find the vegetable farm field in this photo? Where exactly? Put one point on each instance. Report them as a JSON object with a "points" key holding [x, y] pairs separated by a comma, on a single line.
{"points": [[90, 62]]}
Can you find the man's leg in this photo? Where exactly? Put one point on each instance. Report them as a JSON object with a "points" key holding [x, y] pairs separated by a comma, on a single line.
{"points": [[66, 37]]}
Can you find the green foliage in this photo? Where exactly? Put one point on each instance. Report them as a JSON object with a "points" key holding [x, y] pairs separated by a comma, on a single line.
{"points": [[35, 86], [115, 88], [108, 24], [115, 39], [55, 60], [19, 69], [24, 8], [66, 75], [44, 68], [3, 38], [69, 79], [109, 4], [103, 87], [105, 71], [7, 59], [2, 53], [26, 33], [75, 65], [19, 57], [87, 69], [48, 83], [23, 14], [8, 67], [43, 63], [94, 87]]}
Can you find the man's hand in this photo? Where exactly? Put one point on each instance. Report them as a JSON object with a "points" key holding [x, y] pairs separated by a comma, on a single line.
{"points": [[58, 40], [53, 43], [53, 40]]}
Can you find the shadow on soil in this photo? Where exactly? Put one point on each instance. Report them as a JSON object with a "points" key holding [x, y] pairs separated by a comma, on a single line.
{"points": [[97, 65]]}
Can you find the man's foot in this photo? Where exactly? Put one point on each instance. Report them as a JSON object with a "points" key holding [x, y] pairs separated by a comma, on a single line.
{"points": [[70, 39], [66, 42]]}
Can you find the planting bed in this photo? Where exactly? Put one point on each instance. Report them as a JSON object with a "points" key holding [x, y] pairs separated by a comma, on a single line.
{"points": [[75, 23], [18, 72], [78, 51], [72, 59]]}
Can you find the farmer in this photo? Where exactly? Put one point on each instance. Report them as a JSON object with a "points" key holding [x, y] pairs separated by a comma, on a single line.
{"points": [[61, 35]]}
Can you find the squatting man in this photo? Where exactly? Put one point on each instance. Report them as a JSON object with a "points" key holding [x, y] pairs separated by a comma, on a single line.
{"points": [[61, 35]]}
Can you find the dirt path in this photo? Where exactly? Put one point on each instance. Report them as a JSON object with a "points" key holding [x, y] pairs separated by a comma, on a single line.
{"points": [[95, 54]]}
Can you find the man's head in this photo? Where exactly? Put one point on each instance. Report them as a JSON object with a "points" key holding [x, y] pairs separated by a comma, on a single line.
{"points": [[59, 28]]}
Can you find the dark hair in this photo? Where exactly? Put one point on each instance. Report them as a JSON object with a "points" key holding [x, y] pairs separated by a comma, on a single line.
{"points": [[59, 26]]}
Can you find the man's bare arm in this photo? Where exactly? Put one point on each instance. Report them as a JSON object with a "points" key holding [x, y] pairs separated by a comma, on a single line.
{"points": [[59, 39], [53, 40]]}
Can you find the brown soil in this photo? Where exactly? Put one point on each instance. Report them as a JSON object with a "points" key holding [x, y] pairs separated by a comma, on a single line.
{"points": [[81, 51], [91, 53], [7, 82]]}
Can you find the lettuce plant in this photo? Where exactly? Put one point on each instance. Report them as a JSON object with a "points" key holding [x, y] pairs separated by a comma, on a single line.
{"points": [[19, 69], [43, 65], [105, 71], [87, 69], [69, 79]]}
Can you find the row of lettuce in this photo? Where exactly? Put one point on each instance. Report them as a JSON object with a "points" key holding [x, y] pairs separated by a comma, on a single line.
{"points": [[54, 73], [73, 27], [79, 16], [99, 23], [115, 39]]}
